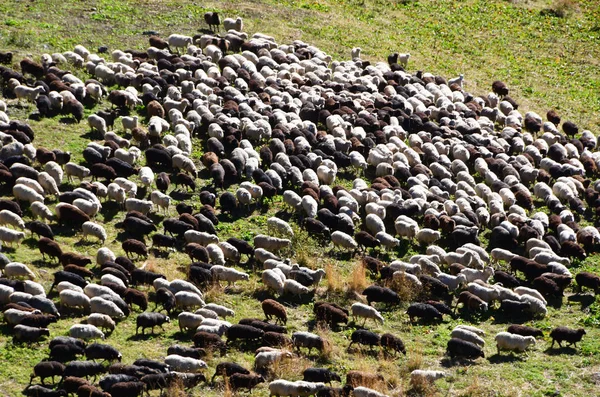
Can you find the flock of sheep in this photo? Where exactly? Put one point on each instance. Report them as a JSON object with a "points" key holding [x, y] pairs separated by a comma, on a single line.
{"points": [[460, 176]]}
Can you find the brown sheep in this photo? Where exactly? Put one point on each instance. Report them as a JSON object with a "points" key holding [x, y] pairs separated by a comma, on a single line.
{"points": [[49, 247], [135, 246], [272, 308], [154, 108], [361, 378]]}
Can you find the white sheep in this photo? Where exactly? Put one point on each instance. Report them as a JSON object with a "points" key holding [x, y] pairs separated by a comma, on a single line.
{"points": [[213, 329], [453, 282], [161, 200], [513, 342], [309, 205], [92, 290], [220, 310], [530, 291], [406, 227], [428, 236], [292, 199], [206, 313], [85, 332], [75, 170], [374, 224], [419, 376], [266, 359], [33, 288], [104, 255], [215, 254], [129, 123], [143, 206], [74, 299], [202, 238], [184, 364], [108, 279], [272, 280], [464, 334], [185, 164], [116, 193], [229, 251], [26, 193], [486, 294], [387, 240], [362, 391], [86, 206], [475, 330], [177, 41], [185, 299], [130, 187], [10, 218], [293, 287], [188, 320], [228, 274], [104, 306], [365, 311], [55, 171], [15, 316], [48, 183], [280, 226], [475, 274], [270, 243], [146, 175], [500, 254], [93, 229], [343, 241], [101, 321], [97, 123], [65, 285], [233, 24], [28, 93], [18, 270], [178, 284], [536, 306]]}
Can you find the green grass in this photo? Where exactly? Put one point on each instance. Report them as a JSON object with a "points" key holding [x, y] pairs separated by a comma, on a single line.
{"points": [[547, 61]]}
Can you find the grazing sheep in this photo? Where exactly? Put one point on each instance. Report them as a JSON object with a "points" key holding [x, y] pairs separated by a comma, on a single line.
{"points": [[101, 321], [367, 312], [461, 348], [308, 340], [464, 334], [150, 320], [272, 308], [419, 376], [27, 334], [513, 342], [184, 364], [85, 332], [17, 270], [571, 336]]}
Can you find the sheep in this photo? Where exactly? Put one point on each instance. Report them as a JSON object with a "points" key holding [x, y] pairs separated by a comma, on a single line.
{"points": [[17, 269], [362, 391], [10, 236], [186, 299], [361, 310], [235, 24], [270, 243], [428, 236], [189, 321], [588, 280], [104, 306], [143, 206], [524, 330], [272, 280], [419, 376], [10, 218], [272, 308], [85, 332], [27, 334], [571, 336], [150, 320], [228, 274], [280, 226], [26, 193], [95, 230], [75, 170], [461, 348], [464, 334], [47, 369], [97, 123], [74, 299], [343, 240], [184, 364], [513, 342], [104, 255], [293, 287], [308, 340], [320, 375], [453, 282], [101, 321]]}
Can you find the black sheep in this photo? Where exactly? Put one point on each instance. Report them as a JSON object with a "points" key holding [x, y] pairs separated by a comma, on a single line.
{"points": [[47, 369], [423, 311], [127, 389], [40, 228], [588, 280], [41, 391], [96, 351], [507, 280], [320, 375], [166, 299], [276, 339], [109, 380], [365, 240], [174, 226], [162, 182], [66, 340], [262, 325], [141, 276], [331, 315], [185, 351], [150, 320], [392, 342], [39, 320], [228, 369], [547, 287], [228, 202], [207, 340], [196, 252], [514, 308], [65, 352], [375, 293], [155, 365], [365, 337], [135, 246], [49, 247], [242, 246], [84, 369], [137, 227], [241, 331], [573, 250], [245, 381], [133, 296], [524, 330], [461, 348], [571, 336], [26, 334]]}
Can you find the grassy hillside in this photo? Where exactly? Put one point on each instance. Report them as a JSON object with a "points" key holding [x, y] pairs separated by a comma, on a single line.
{"points": [[547, 52]]}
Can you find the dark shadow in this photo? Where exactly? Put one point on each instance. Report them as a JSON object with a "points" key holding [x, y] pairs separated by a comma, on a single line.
{"points": [[262, 294], [448, 362], [143, 337], [500, 359], [373, 352], [157, 253], [561, 350], [45, 263], [586, 300]]}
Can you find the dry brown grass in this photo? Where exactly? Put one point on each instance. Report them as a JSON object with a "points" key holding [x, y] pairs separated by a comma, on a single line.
{"points": [[176, 389], [334, 280], [358, 278]]}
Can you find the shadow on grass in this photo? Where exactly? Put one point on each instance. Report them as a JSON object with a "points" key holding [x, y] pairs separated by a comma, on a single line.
{"points": [[586, 300], [448, 362], [561, 350], [500, 359]]}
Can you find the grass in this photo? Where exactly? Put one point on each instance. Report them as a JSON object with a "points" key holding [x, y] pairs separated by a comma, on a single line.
{"points": [[546, 51]]}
